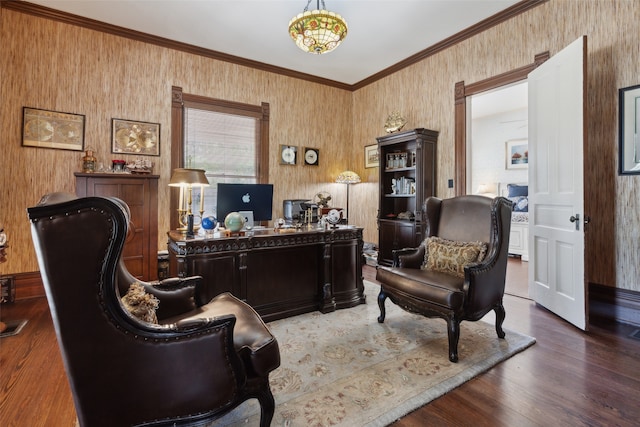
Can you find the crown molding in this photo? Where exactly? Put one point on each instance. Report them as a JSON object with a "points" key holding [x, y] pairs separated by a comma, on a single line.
{"points": [[67, 18]]}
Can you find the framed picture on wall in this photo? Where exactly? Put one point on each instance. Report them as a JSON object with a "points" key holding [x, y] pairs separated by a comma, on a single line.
{"points": [[133, 137], [371, 156], [629, 128], [52, 129], [517, 154]]}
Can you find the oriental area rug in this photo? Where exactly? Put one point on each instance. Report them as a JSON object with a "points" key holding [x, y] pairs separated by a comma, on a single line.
{"points": [[346, 369]]}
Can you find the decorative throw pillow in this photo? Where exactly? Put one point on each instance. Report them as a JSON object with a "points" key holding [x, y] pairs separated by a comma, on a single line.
{"points": [[520, 203], [515, 190], [447, 256], [140, 304]]}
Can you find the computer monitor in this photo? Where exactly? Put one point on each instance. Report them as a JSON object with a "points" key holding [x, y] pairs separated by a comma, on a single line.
{"points": [[257, 198]]}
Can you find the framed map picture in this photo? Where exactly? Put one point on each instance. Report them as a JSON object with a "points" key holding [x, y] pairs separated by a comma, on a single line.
{"points": [[132, 137], [52, 129]]}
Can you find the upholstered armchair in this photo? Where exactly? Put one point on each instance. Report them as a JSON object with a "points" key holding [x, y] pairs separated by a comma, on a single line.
{"points": [[458, 272], [200, 360]]}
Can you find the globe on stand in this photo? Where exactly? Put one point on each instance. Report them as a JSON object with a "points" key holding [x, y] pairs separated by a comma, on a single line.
{"points": [[234, 222], [209, 223]]}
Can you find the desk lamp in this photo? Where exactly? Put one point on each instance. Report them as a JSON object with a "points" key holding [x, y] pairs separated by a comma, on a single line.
{"points": [[186, 179]]}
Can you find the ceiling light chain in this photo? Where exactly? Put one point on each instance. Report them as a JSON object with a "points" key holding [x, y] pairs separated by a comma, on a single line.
{"points": [[317, 31]]}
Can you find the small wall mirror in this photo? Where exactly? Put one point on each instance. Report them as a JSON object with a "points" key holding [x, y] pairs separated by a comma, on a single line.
{"points": [[629, 128]]}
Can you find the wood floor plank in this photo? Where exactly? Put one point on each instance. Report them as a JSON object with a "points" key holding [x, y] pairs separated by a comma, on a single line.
{"points": [[568, 377]]}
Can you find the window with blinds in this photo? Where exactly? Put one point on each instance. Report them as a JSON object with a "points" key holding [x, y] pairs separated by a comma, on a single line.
{"points": [[229, 140], [224, 145]]}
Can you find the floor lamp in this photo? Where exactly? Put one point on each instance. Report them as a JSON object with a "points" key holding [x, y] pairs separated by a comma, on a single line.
{"points": [[348, 177]]}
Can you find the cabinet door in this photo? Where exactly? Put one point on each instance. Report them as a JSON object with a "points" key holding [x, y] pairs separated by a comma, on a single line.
{"points": [[219, 273], [405, 235], [387, 233], [141, 196], [395, 235], [134, 195]]}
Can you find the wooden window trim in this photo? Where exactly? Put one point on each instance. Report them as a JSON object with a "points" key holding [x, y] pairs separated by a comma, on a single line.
{"points": [[178, 101]]}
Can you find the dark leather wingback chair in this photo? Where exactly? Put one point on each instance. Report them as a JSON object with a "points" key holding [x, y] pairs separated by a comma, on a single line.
{"points": [[201, 360], [438, 294]]}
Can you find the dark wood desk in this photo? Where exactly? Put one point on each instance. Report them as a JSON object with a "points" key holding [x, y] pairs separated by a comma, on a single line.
{"points": [[280, 275]]}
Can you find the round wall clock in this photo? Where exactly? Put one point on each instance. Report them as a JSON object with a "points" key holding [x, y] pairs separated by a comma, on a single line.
{"points": [[287, 155], [311, 156]]}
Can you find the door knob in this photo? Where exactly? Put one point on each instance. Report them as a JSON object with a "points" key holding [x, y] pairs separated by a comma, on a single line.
{"points": [[576, 219]]}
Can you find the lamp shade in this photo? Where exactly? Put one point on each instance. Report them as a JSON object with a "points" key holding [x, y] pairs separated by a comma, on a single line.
{"points": [[182, 177], [317, 31], [348, 177]]}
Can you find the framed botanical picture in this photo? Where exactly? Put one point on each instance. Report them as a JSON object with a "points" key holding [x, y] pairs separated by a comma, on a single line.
{"points": [[133, 137], [288, 154], [311, 156], [517, 154], [52, 129], [371, 156], [629, 128]]}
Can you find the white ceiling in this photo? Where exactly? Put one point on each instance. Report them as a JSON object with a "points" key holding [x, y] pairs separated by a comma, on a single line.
{"points": [[381, 32], [501, 100]]}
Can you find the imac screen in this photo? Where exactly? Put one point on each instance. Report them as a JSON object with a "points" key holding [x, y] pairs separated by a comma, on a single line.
{"points": [[245, 197]]}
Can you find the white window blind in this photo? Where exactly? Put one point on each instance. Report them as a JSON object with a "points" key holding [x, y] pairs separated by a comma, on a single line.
{"points": [[224, 145]]}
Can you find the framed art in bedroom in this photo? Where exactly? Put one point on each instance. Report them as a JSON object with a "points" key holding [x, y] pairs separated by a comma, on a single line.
{"points": [[517, 154]]}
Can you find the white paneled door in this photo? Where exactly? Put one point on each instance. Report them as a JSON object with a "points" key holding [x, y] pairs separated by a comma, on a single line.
{"points": [[556, 205]]}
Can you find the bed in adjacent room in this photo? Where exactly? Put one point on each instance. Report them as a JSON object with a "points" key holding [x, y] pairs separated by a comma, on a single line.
{"points": [[518, 193]]}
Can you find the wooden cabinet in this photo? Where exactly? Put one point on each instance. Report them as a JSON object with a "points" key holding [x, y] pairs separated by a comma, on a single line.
{"points": [[140, 193], [407, 178]]}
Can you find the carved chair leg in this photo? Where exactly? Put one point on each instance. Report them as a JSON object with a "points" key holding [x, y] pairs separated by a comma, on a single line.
{"points": [[500, 315], [381, 299], [267, 404], [453, 329]]}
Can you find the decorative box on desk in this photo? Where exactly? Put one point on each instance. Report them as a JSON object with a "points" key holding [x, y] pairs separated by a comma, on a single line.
{"points": [[280, 275]]}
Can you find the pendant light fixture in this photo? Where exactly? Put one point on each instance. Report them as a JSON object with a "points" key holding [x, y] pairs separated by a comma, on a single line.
{"points": [[317, 31]]}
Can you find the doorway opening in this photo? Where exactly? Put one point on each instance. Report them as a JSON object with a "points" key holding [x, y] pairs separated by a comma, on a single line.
{"points": [[498, 122], [462, 103]]}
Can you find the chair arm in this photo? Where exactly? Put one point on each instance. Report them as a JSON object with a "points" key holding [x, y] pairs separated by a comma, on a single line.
{"points": [[197, 353], [409, 257], [173, 283], [177, 295], [191, 325]]}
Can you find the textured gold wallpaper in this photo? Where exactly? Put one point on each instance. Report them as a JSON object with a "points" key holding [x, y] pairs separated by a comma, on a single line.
{"points": [[424, 94], [57, 66]]}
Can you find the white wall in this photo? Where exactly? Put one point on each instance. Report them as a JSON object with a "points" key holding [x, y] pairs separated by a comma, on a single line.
{"points": [[489, 136]]}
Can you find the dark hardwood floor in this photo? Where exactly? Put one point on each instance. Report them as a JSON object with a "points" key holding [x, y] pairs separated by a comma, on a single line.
{"points": [[568, 378]]}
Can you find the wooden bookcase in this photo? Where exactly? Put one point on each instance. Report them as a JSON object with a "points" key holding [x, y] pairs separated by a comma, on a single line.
{"points": [[407, 178]]}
